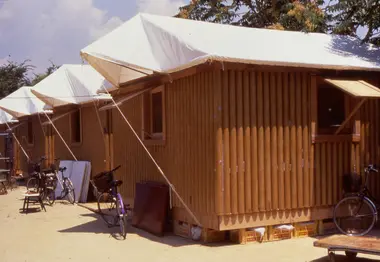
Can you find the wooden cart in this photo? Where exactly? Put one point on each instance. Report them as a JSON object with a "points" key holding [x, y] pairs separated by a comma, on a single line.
{"points": [[350, 245]]}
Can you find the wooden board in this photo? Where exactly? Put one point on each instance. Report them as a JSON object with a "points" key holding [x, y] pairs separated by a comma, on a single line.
{"points": [[366, 245]]}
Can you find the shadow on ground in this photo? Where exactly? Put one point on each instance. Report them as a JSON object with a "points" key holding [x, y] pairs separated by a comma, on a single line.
{"points": [[98, 226]]}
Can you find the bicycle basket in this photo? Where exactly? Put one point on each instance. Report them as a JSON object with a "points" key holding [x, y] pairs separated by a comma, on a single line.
{"points": [[103, 181], [352, 182]]}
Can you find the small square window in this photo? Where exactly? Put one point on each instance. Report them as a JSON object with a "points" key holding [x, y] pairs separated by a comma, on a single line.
{"points": [[76, 129]]}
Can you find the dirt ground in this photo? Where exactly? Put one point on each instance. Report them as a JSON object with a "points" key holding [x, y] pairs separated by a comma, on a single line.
{"points": [[73, 233]]}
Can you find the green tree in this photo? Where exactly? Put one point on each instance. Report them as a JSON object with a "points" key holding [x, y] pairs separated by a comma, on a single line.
{"points": [[352, 16], [296, 15], [13, 76], [39, 77]]}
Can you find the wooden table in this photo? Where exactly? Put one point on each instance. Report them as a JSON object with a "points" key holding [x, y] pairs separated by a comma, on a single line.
{"points": [[350, 245]]}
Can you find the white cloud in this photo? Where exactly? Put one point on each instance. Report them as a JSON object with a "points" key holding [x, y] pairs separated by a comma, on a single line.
{"points": [[160, 7], [50, 29]]}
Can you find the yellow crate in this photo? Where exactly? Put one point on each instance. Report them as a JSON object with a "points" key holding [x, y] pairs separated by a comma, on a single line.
{"points": [[305, 229], [243, 236], [182, 229], [276, 233]]}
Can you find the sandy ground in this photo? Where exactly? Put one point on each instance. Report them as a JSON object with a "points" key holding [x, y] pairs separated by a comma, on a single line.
{"points": [[73, 233]]}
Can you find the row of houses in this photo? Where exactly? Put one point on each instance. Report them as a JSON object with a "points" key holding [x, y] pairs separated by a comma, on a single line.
{"points": [[251, 127]]}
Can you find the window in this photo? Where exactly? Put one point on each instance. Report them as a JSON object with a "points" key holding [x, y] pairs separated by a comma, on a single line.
{"points": [[331, 108], [30, 136], [154, 114], [75, 125]]}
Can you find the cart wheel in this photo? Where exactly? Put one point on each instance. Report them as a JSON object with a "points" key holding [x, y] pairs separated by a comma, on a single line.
{"points": [[332, 256], [350, 254]]}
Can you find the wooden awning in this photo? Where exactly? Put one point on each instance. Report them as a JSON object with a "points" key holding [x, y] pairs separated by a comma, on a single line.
{"points": [[357, 88]]}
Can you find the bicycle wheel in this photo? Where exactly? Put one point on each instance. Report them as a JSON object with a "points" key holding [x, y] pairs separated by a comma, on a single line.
{"points": [[122, 217], [50, 195], [107, 209], [355, 215], [69, 187], [32, 184]]}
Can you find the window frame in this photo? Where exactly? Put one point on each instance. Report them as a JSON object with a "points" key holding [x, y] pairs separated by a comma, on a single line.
{"points": [[76, 143], [148, 136], [353, 134]]}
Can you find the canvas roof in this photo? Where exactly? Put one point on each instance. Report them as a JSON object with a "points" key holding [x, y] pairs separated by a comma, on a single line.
{"points": [[71, 84], [148, 44], [23, 102], [6, 118]]}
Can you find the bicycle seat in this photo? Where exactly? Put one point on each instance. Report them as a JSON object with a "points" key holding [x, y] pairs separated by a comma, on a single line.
{"points": [[62, 169], [116, 183], [50, 175]]}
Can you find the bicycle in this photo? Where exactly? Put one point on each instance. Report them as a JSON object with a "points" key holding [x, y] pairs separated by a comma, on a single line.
{"points": [[46, 182], [43, 182], [356, 213], [67, 187], [110, 203]]}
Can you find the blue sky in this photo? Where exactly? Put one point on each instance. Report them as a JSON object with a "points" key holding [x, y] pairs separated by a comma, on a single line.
{"points": [[43, 30]]}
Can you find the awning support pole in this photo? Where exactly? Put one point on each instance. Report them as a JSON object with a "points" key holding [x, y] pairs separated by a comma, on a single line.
{"points": [[350, 116]]}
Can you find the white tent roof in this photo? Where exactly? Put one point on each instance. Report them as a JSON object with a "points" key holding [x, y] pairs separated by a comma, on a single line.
{"points": [[71, 84], [23, 102], [6, 118], [149, 43]]}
